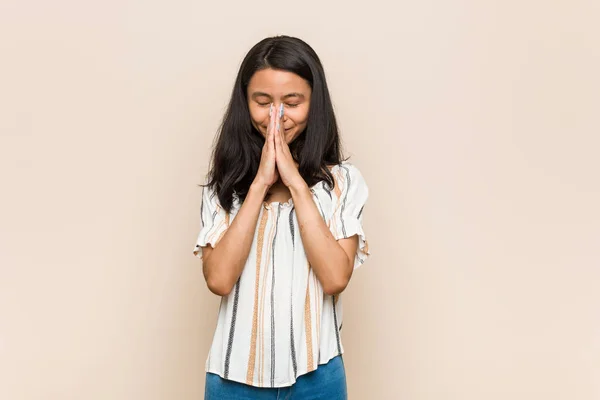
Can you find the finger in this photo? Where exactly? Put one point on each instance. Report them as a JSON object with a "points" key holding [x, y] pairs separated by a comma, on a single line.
{"points": [[281, 135], [279, 117], [275, 126], [277, 138], [271, 119], [272, 124], [280, 128]]}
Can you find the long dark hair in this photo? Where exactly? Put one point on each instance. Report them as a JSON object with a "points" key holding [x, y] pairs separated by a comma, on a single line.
{"points": [[238, 145]]}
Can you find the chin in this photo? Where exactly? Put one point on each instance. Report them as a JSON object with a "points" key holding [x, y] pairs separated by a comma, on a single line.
{"points": [[290, 136]]}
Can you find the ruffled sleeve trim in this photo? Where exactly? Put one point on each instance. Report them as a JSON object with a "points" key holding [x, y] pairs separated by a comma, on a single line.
{"points": [[351, 196], [353, 226], [214, 222]]}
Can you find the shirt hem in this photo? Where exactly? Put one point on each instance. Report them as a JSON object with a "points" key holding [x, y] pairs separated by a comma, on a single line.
{"points": [[278, 384]]}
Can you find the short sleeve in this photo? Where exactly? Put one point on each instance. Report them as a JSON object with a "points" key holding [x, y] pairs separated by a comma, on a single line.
{"points": [[347, 218], [214, 221]]}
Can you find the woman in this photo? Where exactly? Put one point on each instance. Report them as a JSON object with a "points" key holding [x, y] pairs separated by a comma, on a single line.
{"points": [[281, 232]]}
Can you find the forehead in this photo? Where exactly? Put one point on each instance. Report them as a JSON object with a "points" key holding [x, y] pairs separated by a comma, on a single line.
{"points": [[277, 82]]}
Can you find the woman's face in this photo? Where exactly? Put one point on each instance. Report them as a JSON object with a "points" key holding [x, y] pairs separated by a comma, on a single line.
{"points": [[275, 86]]}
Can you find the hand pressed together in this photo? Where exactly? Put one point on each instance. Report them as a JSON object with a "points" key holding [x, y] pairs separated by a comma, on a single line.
{"points": [[276, 159]]}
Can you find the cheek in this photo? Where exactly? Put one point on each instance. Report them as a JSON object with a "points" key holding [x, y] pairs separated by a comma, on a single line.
{"points": [[256, 114], [300, 117], [259, 116]]}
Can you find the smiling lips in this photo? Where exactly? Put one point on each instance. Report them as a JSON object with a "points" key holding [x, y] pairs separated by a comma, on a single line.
{"points": [[286, 129]]}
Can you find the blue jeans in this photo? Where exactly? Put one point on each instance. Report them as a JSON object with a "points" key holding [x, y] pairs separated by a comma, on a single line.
{"points": [[327, 382]]}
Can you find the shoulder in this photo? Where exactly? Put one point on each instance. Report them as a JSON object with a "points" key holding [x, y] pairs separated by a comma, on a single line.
{"points": [[348, 180], [208, 192], [210, 199], [350, 173]]}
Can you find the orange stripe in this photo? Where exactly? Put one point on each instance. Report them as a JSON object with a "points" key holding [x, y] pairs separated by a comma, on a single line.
{"points": [[261, 354], [339, 188], [252, 357], [318, 312], [308, 327], [215, 232], [336, 188]]}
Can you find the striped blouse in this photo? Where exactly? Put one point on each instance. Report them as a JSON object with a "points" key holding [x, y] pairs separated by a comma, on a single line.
{"points": [[277, 324]]}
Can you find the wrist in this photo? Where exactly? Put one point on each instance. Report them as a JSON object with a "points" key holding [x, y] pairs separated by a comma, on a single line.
{"points": [[259, 188], [299, 187]]}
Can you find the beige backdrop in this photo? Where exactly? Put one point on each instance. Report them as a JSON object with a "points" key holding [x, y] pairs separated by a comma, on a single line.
{"points": [[474, 123]]}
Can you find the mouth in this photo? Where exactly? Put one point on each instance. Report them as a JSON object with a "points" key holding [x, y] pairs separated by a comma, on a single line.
{"points": [[285, 130]]}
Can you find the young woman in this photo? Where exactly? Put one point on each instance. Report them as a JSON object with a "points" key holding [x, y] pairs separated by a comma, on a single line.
{"points": [[281, 232]]}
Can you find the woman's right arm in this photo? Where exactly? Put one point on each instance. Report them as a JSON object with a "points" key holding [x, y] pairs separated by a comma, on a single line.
{"points": [[223, 264]]}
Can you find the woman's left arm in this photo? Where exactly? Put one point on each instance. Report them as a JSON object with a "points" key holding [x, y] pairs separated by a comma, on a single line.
{"points": [[332, 260]]}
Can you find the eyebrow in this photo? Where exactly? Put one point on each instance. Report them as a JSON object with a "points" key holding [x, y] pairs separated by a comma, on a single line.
{"points": [[287, 96]]}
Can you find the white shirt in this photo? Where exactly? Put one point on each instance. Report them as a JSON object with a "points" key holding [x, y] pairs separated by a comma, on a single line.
{"points": [[277, 324]]}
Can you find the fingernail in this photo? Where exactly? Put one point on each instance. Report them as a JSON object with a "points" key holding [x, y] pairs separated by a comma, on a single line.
{"points": [[270, 109], [281, 110]]}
